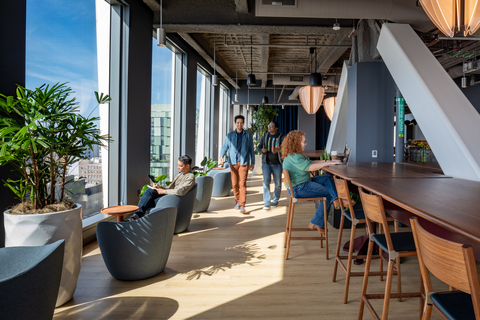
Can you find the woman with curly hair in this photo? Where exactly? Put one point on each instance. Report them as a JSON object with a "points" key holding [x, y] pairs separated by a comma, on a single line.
{"points": [[303, 186]]}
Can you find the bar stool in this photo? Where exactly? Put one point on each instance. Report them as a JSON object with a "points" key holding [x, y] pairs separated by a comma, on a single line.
{"points": [[291, 208], [356, 217], [398, 244], [454, 264]]}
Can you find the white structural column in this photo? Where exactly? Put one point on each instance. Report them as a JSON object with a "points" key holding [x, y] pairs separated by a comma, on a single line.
{"points": [[337, 136], [448, 120]]}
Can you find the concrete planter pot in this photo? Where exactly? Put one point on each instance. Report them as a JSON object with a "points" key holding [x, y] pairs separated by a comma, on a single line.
{"points": [[204, 193], [257, 170], [45, 228]]}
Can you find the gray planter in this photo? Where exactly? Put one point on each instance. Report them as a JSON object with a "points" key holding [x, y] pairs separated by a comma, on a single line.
{"points": [[204, 193]]}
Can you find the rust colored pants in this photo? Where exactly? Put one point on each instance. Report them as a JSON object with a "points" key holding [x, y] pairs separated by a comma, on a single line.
{"points": [[239, 182]]}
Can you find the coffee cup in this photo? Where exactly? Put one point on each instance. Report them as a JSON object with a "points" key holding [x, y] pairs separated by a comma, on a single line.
{"points": [[334, 155]]}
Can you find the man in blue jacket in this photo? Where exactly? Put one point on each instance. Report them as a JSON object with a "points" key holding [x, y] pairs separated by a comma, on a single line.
{"points": [[241, 157]]}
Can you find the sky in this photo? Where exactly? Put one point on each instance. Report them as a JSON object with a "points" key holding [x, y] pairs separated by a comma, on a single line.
{"points": [[61, 47]]}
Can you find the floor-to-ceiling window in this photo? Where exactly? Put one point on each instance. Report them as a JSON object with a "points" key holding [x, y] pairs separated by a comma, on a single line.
{"points": [[202, 115], [162, 102], [61, 47], [223, 117]]}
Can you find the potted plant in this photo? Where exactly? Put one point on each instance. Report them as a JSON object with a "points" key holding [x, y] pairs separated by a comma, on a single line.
{"points": [[261, 117], [204, 184], [41, 135]]}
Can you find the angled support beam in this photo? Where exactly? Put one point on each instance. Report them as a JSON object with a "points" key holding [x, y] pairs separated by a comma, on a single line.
{"points": [[333, 54], [207, 58], [337, 136], [448, 120]]}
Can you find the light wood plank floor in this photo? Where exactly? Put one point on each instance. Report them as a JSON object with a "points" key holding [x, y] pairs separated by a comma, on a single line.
{"points": [[231, 266]]}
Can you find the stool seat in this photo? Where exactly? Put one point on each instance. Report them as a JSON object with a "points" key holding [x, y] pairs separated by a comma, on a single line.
{"points": [[359, 214], [454, 305], [402, 241]]}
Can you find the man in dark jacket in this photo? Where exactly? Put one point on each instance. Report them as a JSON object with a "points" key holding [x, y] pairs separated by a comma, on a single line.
{"points": [[271, 164]]}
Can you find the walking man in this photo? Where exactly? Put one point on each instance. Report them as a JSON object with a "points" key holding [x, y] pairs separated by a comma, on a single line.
{"points": [[239, 147], [270, 146]]}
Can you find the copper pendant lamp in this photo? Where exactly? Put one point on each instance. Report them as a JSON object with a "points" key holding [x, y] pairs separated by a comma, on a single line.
{"points": [[452, 16], [329, 106], [311, 96]]}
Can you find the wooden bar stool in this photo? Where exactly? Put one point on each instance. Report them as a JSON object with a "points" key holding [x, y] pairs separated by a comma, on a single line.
{"points": [[291, 208], [397, 244], [454, 264], [356, 217]]}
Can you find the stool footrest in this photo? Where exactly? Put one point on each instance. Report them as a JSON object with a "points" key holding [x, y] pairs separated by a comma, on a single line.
{"points": [[303, 229], [307, 238], [394, 295]]}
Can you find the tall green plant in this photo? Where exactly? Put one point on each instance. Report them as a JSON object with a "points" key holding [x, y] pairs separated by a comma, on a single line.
{"points": [[261, 117], [41, 134]]}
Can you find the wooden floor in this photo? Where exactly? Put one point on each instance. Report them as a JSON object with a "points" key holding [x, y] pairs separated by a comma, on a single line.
{"points": [[231, 266]]}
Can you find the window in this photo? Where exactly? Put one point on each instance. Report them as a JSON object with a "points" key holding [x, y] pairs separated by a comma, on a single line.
{"points": [[61, 46], [162, 102], [202, 121], [224, 103]]}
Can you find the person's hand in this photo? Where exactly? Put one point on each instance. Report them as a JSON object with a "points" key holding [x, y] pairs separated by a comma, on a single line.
{"points": [[276, 150], [160, 191], [156, 186], [251, 167], [333, 162], [220, 160], [264, 150]]}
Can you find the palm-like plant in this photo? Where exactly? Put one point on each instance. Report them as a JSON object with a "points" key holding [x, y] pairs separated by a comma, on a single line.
{"points": [[41, 135]]}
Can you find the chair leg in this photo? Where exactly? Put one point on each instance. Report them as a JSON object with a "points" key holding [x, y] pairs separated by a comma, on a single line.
{"points": [[399, 278], [365, 279], [339, 244], [325, 224], [288, 221], [290, 230], [349, 266], [395, 223], [388, 288], [427, 313], [380, 252]]}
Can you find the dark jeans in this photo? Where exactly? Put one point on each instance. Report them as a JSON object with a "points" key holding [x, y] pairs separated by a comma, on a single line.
{"points": [[268, 170], [148, 200], [320, 186]]}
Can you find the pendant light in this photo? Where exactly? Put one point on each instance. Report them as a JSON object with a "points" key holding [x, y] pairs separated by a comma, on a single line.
{"points": [[251, 81], [236, 78], [161, 35], [451, 16], [329, 106], [265, 98], [311, 96], [214, 77]]}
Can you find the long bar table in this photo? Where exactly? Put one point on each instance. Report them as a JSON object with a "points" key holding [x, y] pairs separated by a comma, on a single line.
{"points": [[445, 207], [381, 170]]}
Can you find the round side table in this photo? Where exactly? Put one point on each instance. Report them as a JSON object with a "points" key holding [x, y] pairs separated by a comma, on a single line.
{"points": [[119, 211]]}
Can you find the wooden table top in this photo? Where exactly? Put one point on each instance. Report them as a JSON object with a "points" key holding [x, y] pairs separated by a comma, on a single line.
{"points": [[450, 203], [119, 210], [381, 170]]}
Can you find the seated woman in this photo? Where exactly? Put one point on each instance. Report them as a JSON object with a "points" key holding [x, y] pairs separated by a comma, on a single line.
{"points": [[303, 186]]}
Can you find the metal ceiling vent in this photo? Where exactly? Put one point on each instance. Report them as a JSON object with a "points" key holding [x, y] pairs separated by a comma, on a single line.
{"points": [[279, 3], [290, 80]]}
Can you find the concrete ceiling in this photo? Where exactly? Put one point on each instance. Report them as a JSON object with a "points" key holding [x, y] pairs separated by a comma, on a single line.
{"points": [[282, 36]]}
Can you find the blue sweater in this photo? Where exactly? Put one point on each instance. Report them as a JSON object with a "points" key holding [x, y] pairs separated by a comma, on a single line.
{"points": [[247, 156]]}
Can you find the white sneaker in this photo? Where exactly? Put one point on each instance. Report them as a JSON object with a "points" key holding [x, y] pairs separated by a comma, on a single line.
{"points": [[266, 208]]}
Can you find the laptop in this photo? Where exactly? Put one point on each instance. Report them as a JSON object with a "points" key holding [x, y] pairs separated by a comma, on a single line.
{"points": [[346, 156]]}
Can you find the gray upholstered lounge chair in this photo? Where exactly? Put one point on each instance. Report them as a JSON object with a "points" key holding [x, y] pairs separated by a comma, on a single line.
{"points": [[222, 182], [184, 205], [29, 281], [137, 249], [204, 193]]}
